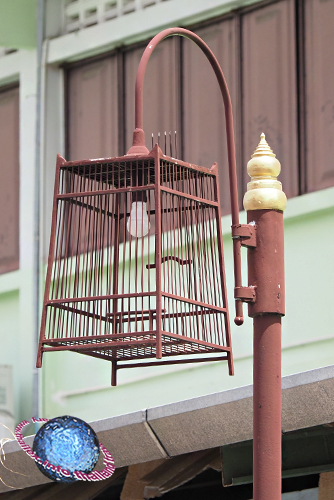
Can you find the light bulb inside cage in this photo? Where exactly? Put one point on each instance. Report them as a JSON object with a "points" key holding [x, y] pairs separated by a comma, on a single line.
{"points": [[138, 224]]}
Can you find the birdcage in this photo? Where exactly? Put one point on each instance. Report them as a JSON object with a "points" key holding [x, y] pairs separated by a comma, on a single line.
{"points": [[135, 268]]}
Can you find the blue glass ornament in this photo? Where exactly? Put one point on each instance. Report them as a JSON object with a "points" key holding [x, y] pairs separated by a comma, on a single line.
{"points": [[68, 442]]}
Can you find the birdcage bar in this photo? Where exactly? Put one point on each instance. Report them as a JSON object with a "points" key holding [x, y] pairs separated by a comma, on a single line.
{"points": [[169, 362], [158, 251]]}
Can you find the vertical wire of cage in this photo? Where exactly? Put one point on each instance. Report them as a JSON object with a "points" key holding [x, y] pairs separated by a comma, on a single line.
{"points": [[117, 293]]}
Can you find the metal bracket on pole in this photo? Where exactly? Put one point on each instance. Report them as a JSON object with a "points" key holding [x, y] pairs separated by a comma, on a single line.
{"points": [[246, 233], [245, 293]]}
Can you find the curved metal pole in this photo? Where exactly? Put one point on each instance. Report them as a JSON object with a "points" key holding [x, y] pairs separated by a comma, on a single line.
{"points": [[139, 148]]}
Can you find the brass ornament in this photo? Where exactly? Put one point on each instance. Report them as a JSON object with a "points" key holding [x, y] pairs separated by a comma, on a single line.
{"points": [[264, 191]]}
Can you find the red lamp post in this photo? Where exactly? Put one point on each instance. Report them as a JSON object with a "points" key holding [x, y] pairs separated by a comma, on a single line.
{"points": [[265, 202], [98, 305]]}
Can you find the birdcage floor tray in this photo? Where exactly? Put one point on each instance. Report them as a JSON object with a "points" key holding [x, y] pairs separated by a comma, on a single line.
{"points": [[128, 346]]}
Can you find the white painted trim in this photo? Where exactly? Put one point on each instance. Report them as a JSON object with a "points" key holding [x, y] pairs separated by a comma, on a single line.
{"points": [[10, 67], [310, 203], [10, 282], [21, 67]]}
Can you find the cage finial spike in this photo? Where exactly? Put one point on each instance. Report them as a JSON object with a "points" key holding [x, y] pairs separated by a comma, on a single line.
{"points": [[263, 148]]}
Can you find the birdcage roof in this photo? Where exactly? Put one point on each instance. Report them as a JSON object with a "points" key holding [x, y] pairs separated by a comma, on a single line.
{"points": [[123, 167]]}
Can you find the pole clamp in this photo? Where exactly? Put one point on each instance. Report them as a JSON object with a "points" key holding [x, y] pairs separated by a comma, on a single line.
{"points": [[245, 293], [246, 233]]}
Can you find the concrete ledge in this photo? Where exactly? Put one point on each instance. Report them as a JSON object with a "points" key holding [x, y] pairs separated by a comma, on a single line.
{"points": [[227, 417], [191, 425], [204, 422], [129, 438]]}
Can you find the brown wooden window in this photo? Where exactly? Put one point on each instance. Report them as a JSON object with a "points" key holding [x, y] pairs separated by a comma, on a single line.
{"points": [[319, 98], [10, 179], [92, 120], [203, 108], [269, 86], [278, 62], [161, 92]]}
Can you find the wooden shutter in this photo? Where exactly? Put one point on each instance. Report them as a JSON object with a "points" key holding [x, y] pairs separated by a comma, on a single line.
{"points": [[203, 108], [161, 98], [92, 107], [93, 128], [319, 62], [161, 92], [269, 86], [10, 180]]}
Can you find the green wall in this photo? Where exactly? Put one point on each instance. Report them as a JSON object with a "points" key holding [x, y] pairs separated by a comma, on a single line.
{"points": [[18, 23], [79, 385]]}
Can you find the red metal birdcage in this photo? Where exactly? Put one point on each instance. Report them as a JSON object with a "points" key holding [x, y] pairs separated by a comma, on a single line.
{"points": [[121, 296], [136, 266]]}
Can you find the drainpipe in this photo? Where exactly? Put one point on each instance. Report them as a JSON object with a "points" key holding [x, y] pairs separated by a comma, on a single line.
{"points": [[40, 13]]}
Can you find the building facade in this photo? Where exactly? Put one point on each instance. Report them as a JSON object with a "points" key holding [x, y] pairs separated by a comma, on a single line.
{"points": [[67, 86]]}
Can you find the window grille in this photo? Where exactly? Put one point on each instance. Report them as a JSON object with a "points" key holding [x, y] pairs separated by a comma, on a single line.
{"points": [[79, 14]]}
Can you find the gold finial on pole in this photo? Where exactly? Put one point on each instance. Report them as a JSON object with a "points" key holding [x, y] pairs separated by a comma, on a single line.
{"points": [[264, 191]]}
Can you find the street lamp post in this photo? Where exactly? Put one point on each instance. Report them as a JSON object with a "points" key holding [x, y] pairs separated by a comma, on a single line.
{"points": [[265, 202]]}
